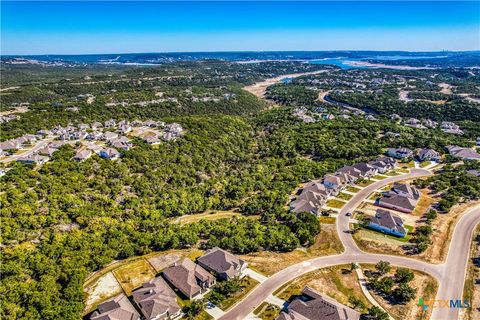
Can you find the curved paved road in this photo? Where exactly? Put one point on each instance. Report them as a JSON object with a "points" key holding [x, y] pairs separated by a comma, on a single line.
{"points": [[451, 274]]}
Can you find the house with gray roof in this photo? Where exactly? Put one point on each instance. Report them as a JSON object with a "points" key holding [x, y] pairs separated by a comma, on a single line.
{"points": [[222, 263], [388, 223], [109, 153], [117, 308], [366, 170], [428, 155], [402, 197], [33, 159], [308, 201], [400, 153], [156, 300], [463, 153], [311, 305], [189, 278]]}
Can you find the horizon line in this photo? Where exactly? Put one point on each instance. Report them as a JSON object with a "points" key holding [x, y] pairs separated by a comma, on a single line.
{"points": [[238, 51]]}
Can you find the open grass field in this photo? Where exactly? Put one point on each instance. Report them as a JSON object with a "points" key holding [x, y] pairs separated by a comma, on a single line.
{"points": [[268, 263], [327, 220], [334, 203], [337, 282]]}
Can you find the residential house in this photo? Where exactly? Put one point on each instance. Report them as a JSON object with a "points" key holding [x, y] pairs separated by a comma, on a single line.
{"points": [[387, 222], [109, 123], [82, 154], [222, 263], [463, 153], [414, 123], [57, 144], [402, 197], [121, 143], [400, 153], [366, 170], [383, 164], [117, 308], [33, 159], [311, 305], [156, 300], [83, 126], [10, 145], [308, 201], [109, 153], [189, 278], [97, 126], [428, 155], [47, 151], [475, 173], [95, 135], [110, 136], [430, 123], [152, 139], [124, 128]]}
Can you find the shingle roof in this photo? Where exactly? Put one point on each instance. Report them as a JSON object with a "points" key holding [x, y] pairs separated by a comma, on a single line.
{"points": [[184, 276], [221, 261], [311, 305], [156, 298], [117, 308], [388, 220]]}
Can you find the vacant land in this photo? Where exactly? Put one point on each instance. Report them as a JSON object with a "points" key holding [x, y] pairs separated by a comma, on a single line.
{"points": [[426, 288], [337, 282], [209, 215], [133, 275], [105, 287], [268, 263], [424, 203], [471, 291]]}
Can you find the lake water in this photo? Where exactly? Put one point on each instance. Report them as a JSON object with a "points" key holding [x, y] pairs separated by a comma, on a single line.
{"points": [[340, 62]]}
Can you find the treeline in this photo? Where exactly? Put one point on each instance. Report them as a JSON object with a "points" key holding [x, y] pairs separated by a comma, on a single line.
{"points": [[455, 184]]}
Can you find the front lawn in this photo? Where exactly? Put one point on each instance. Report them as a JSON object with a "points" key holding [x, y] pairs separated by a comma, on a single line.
{"points": [[353, 189], [226, 293], [344, 196], [424, 164], [334, 203], [379, 177], [365, 183], [267, 311]]}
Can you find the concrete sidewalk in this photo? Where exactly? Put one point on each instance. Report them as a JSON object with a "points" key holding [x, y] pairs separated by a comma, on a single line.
{"points": [[254, 275]]}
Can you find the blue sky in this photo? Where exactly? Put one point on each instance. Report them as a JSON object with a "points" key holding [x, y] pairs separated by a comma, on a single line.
{"points": [[120, 27]]}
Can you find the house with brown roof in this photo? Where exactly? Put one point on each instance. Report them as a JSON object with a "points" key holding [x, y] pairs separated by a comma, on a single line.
{"points": [[222, 263], [156, 300], [189, 278], [311, 305], [117, 308]]}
